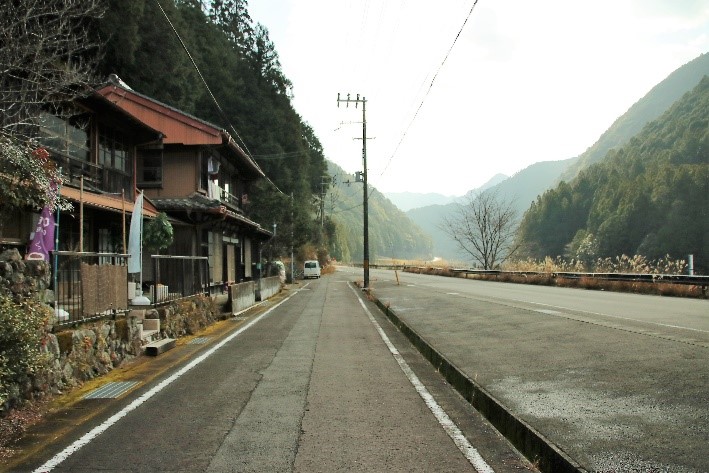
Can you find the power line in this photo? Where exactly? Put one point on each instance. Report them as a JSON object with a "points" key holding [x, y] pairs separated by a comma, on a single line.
{"points": [[214, 99], [292, 154], [428, 91]]}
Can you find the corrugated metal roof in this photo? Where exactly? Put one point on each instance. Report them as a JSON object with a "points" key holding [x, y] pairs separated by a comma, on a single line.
{"points": [[177, 126], [107, 201]]}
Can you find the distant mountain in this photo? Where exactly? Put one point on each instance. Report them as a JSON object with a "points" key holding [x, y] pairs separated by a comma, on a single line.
{"points": [[413, 200], [649, 197], [495, 180], [429, 219], [521, 190], [645, 110], [524, 187], [406, 201], [391, 232]]}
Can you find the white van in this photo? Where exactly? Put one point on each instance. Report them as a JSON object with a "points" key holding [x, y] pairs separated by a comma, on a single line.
{"points": [[311, 269]]}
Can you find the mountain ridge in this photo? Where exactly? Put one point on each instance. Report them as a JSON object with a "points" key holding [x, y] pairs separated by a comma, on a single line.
{"points": [[523, 188]]}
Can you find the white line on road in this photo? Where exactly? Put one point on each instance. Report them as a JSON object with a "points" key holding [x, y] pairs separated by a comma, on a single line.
{"points": [[98, 430], [470, 452], [614, 316]]}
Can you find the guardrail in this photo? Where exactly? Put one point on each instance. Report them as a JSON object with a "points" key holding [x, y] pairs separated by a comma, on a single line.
{"points": [[696, 280], [628, 277]]}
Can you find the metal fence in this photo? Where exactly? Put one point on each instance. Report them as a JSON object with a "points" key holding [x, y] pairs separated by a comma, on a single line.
{"points": [[89, 285], [176, 277]]}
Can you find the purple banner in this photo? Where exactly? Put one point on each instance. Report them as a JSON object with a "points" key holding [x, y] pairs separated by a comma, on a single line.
{"points": [[43, 240]]}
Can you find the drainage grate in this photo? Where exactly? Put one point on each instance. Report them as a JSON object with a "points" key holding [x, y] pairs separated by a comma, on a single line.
{"points": [[111, 390], [199, 341]]}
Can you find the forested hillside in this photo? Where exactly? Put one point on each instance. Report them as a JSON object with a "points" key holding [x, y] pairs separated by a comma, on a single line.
{"points": [[240, 65], [645, 110], [519, 190], [391, 233], [525, 186], [650, 197]]}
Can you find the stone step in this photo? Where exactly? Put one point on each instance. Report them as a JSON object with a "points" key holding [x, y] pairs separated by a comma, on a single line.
{"points": [[160, 346], [148, 336]]}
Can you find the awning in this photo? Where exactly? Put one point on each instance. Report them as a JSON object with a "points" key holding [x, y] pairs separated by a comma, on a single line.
{"points": [[107, 202]]}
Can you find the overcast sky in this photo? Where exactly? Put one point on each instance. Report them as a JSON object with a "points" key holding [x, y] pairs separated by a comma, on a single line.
{"points": [[526, 81]]}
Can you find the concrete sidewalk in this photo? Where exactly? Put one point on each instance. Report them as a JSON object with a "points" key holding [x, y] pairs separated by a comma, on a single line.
{"points": [[309, 386]]}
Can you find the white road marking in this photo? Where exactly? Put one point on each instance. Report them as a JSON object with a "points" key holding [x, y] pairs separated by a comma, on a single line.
{"points": [[613, 316], [98, 430], [470, 452], [452, 293], [547, 311]]}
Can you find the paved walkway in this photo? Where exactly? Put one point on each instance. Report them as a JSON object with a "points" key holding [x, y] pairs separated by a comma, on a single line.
{"points": [[312, 385]]}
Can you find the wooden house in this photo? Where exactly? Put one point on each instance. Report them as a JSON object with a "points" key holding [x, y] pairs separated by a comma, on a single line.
{"points": [[200, 177], [95, 144]]}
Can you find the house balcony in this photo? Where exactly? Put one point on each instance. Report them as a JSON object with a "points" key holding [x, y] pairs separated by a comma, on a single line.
{"points": [[222, 195], [97, 178]]}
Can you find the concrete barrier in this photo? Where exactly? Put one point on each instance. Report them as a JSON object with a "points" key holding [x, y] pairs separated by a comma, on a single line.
{"points": [[268, 287], [243, 296]]}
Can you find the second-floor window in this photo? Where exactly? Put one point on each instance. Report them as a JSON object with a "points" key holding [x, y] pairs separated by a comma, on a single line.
{"points": [[150, 168], [67, 137], [113, 150]]}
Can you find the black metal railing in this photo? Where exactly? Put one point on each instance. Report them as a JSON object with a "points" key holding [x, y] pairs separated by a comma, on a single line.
{"points": [[176, 277], [89, 285]]}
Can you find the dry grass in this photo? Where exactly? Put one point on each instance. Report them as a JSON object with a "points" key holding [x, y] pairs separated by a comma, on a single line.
{"points": [[328, 269], [637, 287], [549, 268]]}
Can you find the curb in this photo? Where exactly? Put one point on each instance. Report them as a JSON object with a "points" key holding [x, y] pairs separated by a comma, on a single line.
{"points": [[532, 444]]}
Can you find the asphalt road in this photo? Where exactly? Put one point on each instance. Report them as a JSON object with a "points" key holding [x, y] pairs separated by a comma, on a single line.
{"points": [[318, 382], [619, 382]]}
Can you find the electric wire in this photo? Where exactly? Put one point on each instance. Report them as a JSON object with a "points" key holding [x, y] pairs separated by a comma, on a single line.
{"points": [[428, 91], [390, 44], [214, 99]]}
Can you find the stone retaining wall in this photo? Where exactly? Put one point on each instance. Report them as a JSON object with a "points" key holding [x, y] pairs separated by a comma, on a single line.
{"points": [[77, 354], [23, 279]]}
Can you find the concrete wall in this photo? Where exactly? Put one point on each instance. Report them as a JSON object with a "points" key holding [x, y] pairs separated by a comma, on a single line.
{"points": [[268, 287], [243, 296]]}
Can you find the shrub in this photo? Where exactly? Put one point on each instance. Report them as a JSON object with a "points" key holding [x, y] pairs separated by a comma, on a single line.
{"points": [[22, 331]]}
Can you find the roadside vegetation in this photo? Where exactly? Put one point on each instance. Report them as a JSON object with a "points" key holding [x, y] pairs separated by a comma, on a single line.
{"points": [[550, 272]]}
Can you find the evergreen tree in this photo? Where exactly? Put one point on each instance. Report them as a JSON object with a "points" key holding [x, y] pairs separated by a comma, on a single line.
{"points": [[650, 197]]}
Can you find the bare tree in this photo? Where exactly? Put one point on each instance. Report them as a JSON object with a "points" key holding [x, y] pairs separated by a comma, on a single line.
{"points": [[484, 227], [46, 57]]}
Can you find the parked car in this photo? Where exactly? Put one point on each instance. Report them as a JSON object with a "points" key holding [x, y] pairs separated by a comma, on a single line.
{"points": [[311, 269]]}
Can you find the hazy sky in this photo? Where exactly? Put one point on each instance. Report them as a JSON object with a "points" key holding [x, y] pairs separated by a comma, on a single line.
{"points": [[526, 81]]}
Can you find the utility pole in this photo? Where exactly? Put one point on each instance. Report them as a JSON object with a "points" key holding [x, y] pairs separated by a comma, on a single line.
{"points": [[365, 192], [324, 180]]}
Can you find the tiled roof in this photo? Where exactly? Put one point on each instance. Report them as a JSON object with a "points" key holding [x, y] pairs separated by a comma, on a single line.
{"points": [[201, 203]]}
